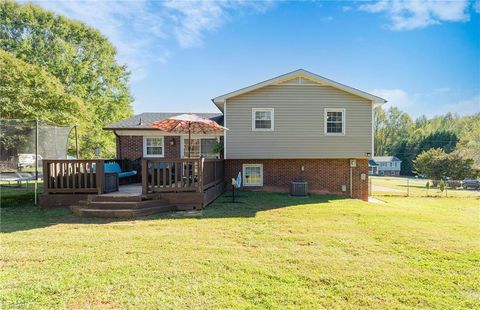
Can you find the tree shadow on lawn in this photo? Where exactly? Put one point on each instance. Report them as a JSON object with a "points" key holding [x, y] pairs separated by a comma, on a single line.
{"points": [[20, 217]]}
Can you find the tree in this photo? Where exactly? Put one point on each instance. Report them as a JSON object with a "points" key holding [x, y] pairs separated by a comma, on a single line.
{"points": [[80, 57], [437, 165], [29, 92], [431, 163], [441, 185], [445, 140], [459, 168], [406, 151]]}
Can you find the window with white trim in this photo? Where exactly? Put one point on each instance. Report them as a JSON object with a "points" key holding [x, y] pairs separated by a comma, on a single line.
{"points": [[200, 148], [262, 119], [153, 146], [334, 121], [252, 175]]}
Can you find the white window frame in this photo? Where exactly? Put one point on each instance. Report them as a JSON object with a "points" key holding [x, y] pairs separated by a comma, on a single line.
{"points": [[244, 166], [344, 121], [272, 111], [145, 146]]}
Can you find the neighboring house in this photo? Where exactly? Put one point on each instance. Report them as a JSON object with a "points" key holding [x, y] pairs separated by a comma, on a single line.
{"points": [[295, 126], [388, 165], [372, 167]]}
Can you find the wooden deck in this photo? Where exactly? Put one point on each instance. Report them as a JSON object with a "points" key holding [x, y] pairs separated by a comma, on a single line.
{"points": [[180, 184]]}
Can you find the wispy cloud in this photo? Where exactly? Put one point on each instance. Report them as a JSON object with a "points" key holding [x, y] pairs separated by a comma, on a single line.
{"points": [[412, 14], [463, 107], [430, 103], [145, 31], [395, 97]]}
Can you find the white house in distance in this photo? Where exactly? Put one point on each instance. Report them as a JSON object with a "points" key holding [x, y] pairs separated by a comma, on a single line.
{"points": [[387, 165]]}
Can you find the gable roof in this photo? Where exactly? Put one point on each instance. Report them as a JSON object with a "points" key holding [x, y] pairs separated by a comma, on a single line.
{"points": [[143, 120], [294, 74], [372, 163], [383, 159]]}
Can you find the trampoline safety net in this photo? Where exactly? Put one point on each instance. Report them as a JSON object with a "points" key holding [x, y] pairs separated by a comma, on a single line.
{"points": [[23, 145]]}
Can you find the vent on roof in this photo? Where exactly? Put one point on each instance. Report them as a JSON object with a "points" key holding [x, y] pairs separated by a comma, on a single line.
{"points": [[140, 121]]}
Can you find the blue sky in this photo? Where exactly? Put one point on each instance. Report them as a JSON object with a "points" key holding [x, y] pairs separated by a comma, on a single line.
{"points": [[422, 56]]}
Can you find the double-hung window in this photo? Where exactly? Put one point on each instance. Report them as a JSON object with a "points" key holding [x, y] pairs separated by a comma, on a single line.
{"points": [[153, 146], [262, 119], [334, 121]]}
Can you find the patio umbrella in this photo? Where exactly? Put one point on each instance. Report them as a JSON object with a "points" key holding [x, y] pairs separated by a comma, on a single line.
{"points": [[188, 123]]}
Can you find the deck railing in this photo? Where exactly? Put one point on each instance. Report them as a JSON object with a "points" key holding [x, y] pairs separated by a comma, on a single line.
{"points": [[180, 175], [73, 176], [171, 175]]}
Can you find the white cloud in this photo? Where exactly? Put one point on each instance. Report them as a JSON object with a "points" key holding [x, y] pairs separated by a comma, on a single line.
{"points": [[346, 8], [144, 31], [395, 97], [412, 14], [463, 107], [476, 6]]}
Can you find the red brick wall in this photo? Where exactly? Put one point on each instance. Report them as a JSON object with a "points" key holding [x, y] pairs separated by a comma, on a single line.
{"points": [[172, 151], [323, 175], [131, 147]]}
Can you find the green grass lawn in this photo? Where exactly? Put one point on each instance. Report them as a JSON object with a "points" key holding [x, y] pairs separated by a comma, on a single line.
{"points": [[269, 251], [414, 187]]}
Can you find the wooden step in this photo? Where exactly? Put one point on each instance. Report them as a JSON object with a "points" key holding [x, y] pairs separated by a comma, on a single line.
{"points": [[112, 205], [120, 213], [119, 198], [107, 205]]}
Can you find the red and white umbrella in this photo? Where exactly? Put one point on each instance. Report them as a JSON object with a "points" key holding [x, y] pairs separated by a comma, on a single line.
{"points": [[188, 123]]}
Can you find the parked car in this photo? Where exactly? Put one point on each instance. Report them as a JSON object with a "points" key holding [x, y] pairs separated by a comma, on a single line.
{"points": [[473, 184], [454, 183], [26, 160]]}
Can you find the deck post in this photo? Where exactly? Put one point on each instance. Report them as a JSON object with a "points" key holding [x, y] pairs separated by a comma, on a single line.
{"points": [[200, 185], [100, 176], [144, 176]]}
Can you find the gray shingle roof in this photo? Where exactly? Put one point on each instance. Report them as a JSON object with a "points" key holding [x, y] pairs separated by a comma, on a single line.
{"points": [[383, 159], [143, 120]]}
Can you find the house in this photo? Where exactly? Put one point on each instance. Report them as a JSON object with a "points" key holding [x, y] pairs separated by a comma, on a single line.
{"points": [[297, 126], [372, 167], [388, 165]]}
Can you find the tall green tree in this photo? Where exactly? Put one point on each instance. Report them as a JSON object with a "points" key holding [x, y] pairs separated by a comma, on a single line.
{"points": [[445, 140], [29, 92], [80, 57]]}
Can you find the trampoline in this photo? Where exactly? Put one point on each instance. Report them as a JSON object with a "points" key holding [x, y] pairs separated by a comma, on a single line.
{"points": [[23, 145]]}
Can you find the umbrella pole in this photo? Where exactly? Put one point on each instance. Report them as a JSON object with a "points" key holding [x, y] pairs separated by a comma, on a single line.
{"points": [[189, 140]]}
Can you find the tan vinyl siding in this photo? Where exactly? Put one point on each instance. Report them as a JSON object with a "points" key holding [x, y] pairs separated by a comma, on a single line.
{"points": [[298, 123]]}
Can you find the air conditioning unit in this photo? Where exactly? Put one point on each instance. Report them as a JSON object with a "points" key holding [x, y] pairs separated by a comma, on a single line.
{"points": [[298, 188]]}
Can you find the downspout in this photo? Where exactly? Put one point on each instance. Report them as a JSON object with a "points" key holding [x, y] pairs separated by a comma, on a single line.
{"points": [[119, 144]]}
